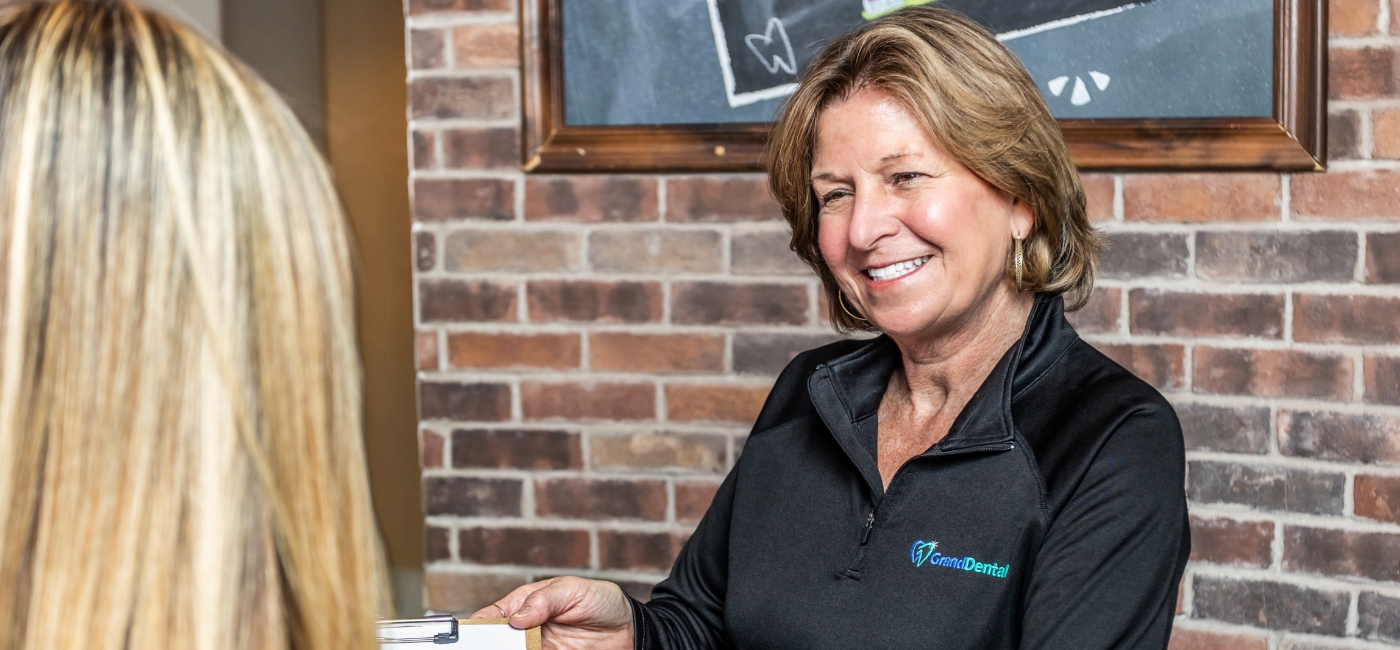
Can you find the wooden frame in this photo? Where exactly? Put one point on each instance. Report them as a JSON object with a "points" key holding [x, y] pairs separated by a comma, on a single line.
{"points": [[1294, 139]]}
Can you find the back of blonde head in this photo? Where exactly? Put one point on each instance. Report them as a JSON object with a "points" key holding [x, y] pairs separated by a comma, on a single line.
{"points": [[181, 463]]}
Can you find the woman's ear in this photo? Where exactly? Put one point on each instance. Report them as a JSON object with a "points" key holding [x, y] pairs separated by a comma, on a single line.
{"points": [[1022, 218]]}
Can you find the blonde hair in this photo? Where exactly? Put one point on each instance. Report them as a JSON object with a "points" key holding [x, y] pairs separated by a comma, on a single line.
{"points": [[181, 463], [973, 97]]}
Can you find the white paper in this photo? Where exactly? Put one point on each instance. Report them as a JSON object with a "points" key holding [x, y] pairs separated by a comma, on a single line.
{"points": [[472, 637]]}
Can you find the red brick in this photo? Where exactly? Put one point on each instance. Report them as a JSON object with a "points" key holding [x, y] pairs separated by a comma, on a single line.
{"points": [[599, 302], [1163, 366], [639, 551], [1378, 617], [1270, 605], [762, 353], [1347, 437], [465, 402], [693, 499], [1342, 553], [424, 250], [1395, 16], [720, 198], [1382, 376], [524, 546], [591, 198], [416, 7], [1271, 373], [1373, 194], [480, 350], [719, 303], [516, 449], [427, 350], [460, 301], [1343, 135], [481, 148], [1362, 73], [1377, 497], [1143, 254], [471, 497], [424, 157], [1385, 133], [426, 48], [436, 545], [714, 403], [464, 593], [436, 199], [471, 98], [430, 446], [1221, 428], [1346, 319], [588, 401], [487, 45], [1100, 314], [1153, 311], [1383, 258], [1352, 17], [1225, 541], [765, 253], [1328, 256], [1183, 639], [700, 452], [581, 498], [694, 251], [1201, 197], [1098, 195], [656, 352], [1267, 488], [501, 251]]}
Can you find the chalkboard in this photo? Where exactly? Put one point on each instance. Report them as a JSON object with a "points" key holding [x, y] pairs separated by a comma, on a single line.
{"points": [[689, 61], [694, 84]]}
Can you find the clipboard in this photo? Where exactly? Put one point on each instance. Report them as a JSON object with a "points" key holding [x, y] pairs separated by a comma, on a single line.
{"points": [[450, 633]]}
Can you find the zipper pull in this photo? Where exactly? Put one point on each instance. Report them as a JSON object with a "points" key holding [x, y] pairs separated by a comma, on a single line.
{"points": [[869, 524]]}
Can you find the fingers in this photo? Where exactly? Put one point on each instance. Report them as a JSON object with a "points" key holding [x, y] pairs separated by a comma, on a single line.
{"points": [[507, 605], [559, 599], [494, 610]]}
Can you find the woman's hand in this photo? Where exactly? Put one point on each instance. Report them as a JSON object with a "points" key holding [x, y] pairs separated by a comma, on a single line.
{"points": [[576, 613]]}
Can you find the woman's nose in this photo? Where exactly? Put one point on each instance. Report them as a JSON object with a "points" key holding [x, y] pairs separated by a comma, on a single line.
{"points": [[874, 216]]}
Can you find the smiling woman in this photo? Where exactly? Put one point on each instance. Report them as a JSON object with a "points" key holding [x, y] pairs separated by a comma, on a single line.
{"points": [[928, 186]]}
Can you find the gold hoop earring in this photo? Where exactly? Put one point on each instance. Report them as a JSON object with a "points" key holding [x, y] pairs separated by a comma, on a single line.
{"points": [[1020, 264], [841, 300]]}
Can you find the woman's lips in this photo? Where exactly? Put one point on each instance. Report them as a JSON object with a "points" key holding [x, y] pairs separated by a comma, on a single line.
{"points": [[896, 270]]}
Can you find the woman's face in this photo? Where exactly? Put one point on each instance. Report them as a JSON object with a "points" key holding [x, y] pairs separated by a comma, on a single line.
{"points": [[916, 241]]}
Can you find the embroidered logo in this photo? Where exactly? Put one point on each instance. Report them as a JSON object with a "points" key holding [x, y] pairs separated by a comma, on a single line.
{"points": [[926, 553]]}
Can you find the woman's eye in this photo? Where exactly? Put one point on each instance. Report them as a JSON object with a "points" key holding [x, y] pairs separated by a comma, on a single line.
{"points": [[833, 196], [905, 177]]}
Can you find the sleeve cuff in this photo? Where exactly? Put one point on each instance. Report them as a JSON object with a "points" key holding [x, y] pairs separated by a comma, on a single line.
{"points": [[643, 632]]}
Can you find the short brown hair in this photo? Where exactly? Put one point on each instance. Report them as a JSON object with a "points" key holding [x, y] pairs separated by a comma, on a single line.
{"points": [[976, 100]]}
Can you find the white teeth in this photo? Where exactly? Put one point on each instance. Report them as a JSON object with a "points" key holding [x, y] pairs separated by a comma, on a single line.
{"points": [[897, 269]]}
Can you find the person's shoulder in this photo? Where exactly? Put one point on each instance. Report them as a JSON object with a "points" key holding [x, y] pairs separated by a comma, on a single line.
{"points": [[789, 399], [1089, 411]]}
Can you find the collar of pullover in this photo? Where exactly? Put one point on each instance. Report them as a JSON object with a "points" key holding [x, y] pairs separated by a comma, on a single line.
{"points": [[846, 391]]}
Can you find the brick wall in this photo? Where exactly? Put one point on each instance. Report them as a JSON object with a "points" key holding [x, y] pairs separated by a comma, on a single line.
{"points": [[592, 348]]}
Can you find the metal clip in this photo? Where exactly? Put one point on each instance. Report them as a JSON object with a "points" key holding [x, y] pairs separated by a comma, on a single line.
{"points": [[441, 638]]}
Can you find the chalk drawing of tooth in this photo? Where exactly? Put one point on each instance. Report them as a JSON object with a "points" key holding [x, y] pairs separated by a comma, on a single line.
{"points": [[777, 62]]}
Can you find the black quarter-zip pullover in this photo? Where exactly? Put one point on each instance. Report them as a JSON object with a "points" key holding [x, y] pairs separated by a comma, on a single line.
{"points": [[1051, 516]]}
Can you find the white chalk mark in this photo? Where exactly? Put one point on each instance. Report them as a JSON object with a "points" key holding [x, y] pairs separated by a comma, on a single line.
{"points": [[1100, 79], [1057, 85], [788, 65], [1080, 96], [1063, 22], [723, 49]]}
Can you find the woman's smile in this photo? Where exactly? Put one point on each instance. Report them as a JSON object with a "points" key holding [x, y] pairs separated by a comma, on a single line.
{"points": [[880, 275]]}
